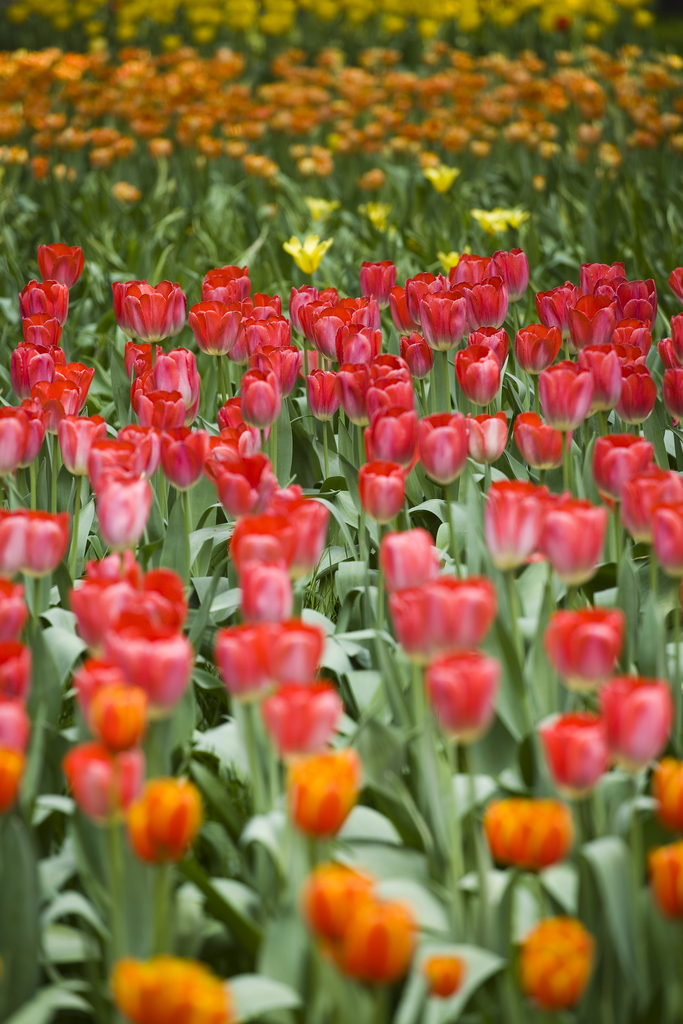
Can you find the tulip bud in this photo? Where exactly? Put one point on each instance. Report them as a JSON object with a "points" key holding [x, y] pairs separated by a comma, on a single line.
{"points": [[330, 896], [379, 942], [667, 789], [443, 317], [572, 538], [323, 399], [240, 656], [15, 726], [352, 384], [408, 559], [118, 715], [177, 371], [566, 394], [183, 452], [11, 770], [672, 393], [266, 593], [513, 517], [442, 444], [638, 394], [163, 988], [153, 657], [32, 542], [602, 362], [478, 373], [487, 303], [638, 715], [215, 326], [539, 445], [591, 321], [555, 964], [513, 267], [667, 538], [641, 495], [48, 297], [616, 460], [637, 334], [154, 313], [553, 306], [301, 718], [164, 820], [536, 347], [62, 263], [528, 834], [462, 689], [123, 509], [293, 651], [417, 354], [103, 784], [637, 300], [42, 331], [245, 484], [400, 315], [13, 611], [381, 486], [584, 646], [322, 789], [377, 279], [495, 339], [487, 436], [576, 751], [76, 436], [392, 437], [226, 284], [443, 615], [261, 400], [666, 867]]}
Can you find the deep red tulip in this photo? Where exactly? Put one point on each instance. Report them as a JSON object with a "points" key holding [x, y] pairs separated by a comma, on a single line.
{"points": [[398, 306], [301, 719], [177, 371], [443, 615], [59, 399], [478, 373], [470, 269], [226, 284], [300, 298], [97, 605], [13, 610], [487, 436], [308, 520], [392, 391], [123, 508], [28, 366], [14, 438], [62, 263], [109, 458], [640, 496], [147, 444], [417, 354], [352, 384], [539, 444], [676, 336], [629, 355], [536, 347], [443, 317], [293, 651], [487, 303], [591, 321], [245, 484], [392, 437], [386, 367], [381, 486], [676, 283], [283, 362], [377, 279], [15, 726], [42, 331], [667, 537], [163, 410], [637, 714], [638, 394], [326, 324], [591, 274], [104, 784], [617, 458], [667, 354], [576, 751], [584, 646], [32, 542], [566, 393], [355, 344], [513, 267], [215, 326], [494, 338], [76, 436], [37, 420], [48, 297], [266, 592], [183, 452], [267, 539], [323, 399], [634, 332], [15, 671], [240, 654], [158, 659], [80, 375], [259, 332], [416, 289], [513, 517], [572, 538], [602, 362], [261, 399], [153, 314], [462, 690], [553, 306], [137, 359], [408, 559], [672, 393], [442, 445], [637, 300]]}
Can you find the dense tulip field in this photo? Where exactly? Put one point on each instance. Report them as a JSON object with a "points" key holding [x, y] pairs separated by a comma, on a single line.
{"points": [[341, 514]]}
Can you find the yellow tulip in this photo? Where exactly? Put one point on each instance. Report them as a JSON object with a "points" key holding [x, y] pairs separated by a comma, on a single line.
{"points": [[448, 260], [442, 176], [377, 214], [320, 209], [307, 254], [495, 221]]}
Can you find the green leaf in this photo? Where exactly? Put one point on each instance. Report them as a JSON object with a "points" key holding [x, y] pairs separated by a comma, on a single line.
{"points": [[120, 386], [284, 446], [49, 1001], [650, 641], [627, 600], [226, 905], [480, 965], [19, 931], [65, 649], [255, 995], [216, 796], [174, 551]]}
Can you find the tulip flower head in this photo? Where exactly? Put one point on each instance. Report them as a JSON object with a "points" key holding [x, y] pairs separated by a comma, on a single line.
{"points": [[164, 820], [638, 715], [576, 752], [462, 690], [667, 789], [528, 834], [666, 871], [322, 789], [444, 974], [307, 254], [584, 646], [555, 963]]}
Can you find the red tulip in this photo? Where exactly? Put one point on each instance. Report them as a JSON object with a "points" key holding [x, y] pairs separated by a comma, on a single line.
{"points": [[177, 371], [215, 326], [123, 508], [462, 689], [76, 436], [381, 486], [323, 399], [301, 719], [28, 366], [293, 651], [392, 391], [326, 324], [183, 452], [442, 444], [97, 606], [15, 726], [32, 542], [226, 284], [153, 313], [244, 483], [572, 538], [591, 274], [443, 317], [15, 671], [676, 336], [352, 384], [400, 315], [553, 306], [36, 429], [636, 333], [676, 283], [59, 399], [147, 444], [536, 347], [637, 714], [629, 355], [417, 354], [258, 332], [13, 610], [392, 437], [240, 654], [268, 538], [104, 784], [640, 496], [443, 615], [408, 559], [261, 400], [539, 444], [667, 354], [494, 338], [300, 298], [137, 359], [79, 374], [566, 393], [308, 520], [14, 438], [478, 373], [42, 331], [513, 267], [637, 300], [617, 458], [470, 269], [486, 436], [355, 344], [513, 517], [111, 457], [266, 592], [50, 297], [591, 321], [602, 362], [667, 537], [377, 279], [62, 263], [283, 362], [487, 303], [386, 367], [638, 394], [672, 393], [416, 289], [584, 646], [576, 752], [155, 658]]}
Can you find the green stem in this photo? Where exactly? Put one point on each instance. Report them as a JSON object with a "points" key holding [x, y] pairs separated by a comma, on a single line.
{"points": [[602, 423], [618, 538], [423, 396], [361, 536], [537, 397], [273, 449], [187, 511], [158, 747], [56, 463], [636, 836], [74, 534], [116, 893], [479, 853], [34, 497], [653, 573], [380, 584], [565, 461], [245, 712], [444, 360], [325, 451], [452, 536], [221, 380], [162, 907]]}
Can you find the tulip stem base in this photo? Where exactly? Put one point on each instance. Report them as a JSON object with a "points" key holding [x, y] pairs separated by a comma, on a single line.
{"points": [[246, 712], [326, 454], [187, 512], [221, 381], [56, 465], [566, 456], [162, 907], [602, 423], [447, 383], [115, 854], [653, 573], [34, 484], [452, 536], [537, 400], [73, 554]]}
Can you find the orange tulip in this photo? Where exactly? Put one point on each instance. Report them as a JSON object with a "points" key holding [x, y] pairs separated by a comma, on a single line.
{"points": [[555, 963], [164, 821], [166, 989], [322, 789], [118, 715], [530, 834], [667, 789], [666, 874], [378, 943], [330, 896], [445, 975], [11, 768]]}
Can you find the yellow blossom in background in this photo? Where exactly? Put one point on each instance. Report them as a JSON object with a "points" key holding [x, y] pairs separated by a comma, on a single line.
{"points": [[495, 221], [320, 209], [377, 214], [307, 254], [448, 260], [442, 176]]}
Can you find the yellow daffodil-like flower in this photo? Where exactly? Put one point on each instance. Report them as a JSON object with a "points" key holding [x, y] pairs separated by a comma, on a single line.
{"points": [[495, 221], [320, 209], [307, 254], [448, 260], [377, 214], [442, 176]]}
